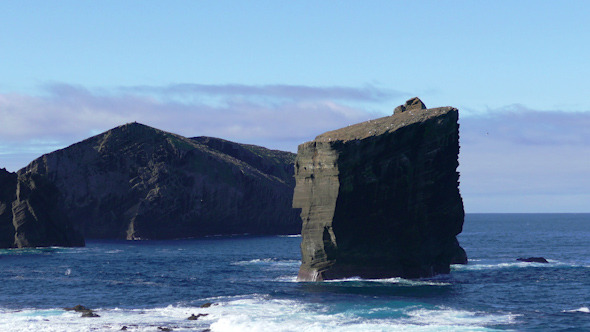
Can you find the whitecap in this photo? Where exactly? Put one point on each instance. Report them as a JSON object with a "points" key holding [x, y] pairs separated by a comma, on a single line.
{"points": [[257, 312], [510, 265], [269, 261], [585, 310], [262, 314], [400, 281]]}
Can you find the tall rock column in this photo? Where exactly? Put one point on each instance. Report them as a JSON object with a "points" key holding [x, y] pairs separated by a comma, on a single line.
{"points": [[380, 199]]}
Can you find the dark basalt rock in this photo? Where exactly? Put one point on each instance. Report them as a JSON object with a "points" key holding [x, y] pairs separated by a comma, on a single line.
{"points": [[86, 312], [138, 182], [30, 214], [193, 317], [206, 305], [533, 260], [380, 199], [412, 104], [89, 314], [77, 308]]}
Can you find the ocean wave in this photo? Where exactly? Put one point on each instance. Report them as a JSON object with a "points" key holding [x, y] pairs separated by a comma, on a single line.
{"points": [[513, 264], [294, 235], [585, 310], [400, 281], [269, 261], [257, 312]]}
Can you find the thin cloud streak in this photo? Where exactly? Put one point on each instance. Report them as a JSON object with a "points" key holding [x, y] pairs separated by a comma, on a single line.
{"points": [[367, 93], [516, 159], [521, 125], [525, 160], [67, 114]]}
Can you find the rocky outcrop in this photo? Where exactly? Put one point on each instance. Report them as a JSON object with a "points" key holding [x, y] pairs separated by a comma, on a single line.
{"points": [[533, 260], [138, 182], [30, 214], [380, 199]]}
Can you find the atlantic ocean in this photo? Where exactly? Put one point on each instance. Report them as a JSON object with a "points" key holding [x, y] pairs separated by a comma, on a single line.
{"points": [[249, 282]]}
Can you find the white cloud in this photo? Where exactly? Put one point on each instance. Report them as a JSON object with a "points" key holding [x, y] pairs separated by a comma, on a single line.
{"points": [[278, 116], [521, 160], [512, 159]]}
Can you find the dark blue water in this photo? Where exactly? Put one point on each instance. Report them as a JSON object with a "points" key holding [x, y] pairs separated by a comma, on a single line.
{"points": [[145, 285]]}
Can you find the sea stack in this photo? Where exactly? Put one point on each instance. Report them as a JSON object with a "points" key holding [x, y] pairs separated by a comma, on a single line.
{"points": [[381, 199]]}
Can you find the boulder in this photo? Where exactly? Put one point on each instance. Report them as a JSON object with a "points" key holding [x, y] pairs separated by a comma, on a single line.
{"points": [[380, 199], [410, 105], [86, 312], [206, 305], [195, 317]]}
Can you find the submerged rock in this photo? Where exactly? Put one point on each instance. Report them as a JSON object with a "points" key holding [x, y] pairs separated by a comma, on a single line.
{"points": [[195, 317], [86, 312], [138, 182], [380, 199], [533, 260], [30, 214]]}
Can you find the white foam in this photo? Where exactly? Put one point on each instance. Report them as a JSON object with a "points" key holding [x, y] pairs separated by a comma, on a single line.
{"points": [[269, 261], [400, 281], [54, 320], [511, 264], [261, 314], [451, 317], [581, 309], [256, 313]]}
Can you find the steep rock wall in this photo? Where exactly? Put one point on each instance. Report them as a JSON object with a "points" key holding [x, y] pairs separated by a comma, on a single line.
{"points": [[380, 199], [138, 182], [30, 214]]}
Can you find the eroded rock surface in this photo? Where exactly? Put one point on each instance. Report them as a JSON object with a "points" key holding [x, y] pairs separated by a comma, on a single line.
{"points": [[138, 182], [30, 214], [380, 199]]}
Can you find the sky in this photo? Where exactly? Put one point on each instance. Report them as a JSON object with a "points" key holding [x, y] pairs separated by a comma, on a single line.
{"points": [[278, 74]]}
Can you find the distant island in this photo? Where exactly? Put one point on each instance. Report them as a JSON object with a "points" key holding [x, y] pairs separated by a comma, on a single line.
{"points": [[137, 182]]}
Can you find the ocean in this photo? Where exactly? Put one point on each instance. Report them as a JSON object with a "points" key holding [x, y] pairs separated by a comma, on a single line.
{"points": [[250, 282]]}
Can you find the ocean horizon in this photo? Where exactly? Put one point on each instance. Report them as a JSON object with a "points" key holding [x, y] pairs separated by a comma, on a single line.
{"points": [[248, 283]]}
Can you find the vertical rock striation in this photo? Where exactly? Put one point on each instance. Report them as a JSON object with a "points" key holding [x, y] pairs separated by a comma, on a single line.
{"points": [[30, 214], [138, 182], [380, 199]]}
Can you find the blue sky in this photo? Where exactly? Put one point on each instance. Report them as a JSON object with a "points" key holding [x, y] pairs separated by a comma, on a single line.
{"points": [[279, 73]]}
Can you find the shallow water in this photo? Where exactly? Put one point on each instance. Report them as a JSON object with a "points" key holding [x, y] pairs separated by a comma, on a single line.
{"points": [[145, 285]]}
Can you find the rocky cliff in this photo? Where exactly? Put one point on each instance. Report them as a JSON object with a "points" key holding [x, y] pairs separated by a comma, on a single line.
{"points": [[138, 182], [30, 214], [380, 199]]}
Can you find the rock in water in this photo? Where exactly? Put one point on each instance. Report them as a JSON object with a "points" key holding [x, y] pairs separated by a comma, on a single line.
{"points": [[138, 182], [30, 214], [380, 199], [533, 260]]}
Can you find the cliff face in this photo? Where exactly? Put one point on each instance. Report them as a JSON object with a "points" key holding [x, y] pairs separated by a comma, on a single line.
{"points": [[380, 199], [30, 214], [138, 182]]}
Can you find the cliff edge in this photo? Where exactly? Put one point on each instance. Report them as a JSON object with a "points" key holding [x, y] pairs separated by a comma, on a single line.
{"points": [[30, 215], [138, 182], [380, 199]]}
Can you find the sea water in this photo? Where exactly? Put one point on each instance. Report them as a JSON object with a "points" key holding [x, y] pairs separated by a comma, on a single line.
{"points": [[251, 283]]}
